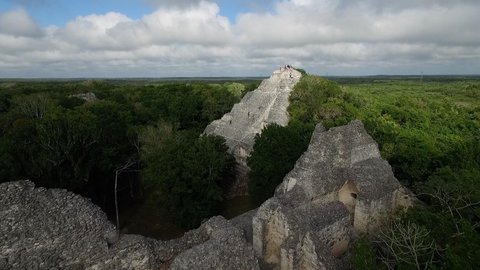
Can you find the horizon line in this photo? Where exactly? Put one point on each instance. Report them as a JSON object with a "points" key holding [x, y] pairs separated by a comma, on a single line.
{"points": [[231, 77]]}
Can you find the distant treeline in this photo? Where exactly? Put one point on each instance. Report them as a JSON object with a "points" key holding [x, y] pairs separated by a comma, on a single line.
{"points": [[396, 78]]}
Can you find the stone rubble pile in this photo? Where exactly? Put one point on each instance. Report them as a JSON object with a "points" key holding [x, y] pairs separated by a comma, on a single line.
{"points": [[56, 229]]}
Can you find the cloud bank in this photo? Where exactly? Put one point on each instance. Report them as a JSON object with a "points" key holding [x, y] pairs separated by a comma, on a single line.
{"points": [[192, 38]]}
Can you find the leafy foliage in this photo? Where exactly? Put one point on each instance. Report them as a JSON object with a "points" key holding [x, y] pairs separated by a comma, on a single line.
{"points": [[189, 173], [275, 152], [315, 100], [67, 141], [56, 139], [428, 131], [363, 257]]}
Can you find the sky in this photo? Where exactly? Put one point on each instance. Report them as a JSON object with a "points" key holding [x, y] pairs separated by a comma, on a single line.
{"points": [[183, 38]]}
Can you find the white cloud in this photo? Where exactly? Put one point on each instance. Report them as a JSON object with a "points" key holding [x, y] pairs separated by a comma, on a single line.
{"points": [[302, 2], [18, 23], [325, 22], [91, 32], [175, 3], [371, 34], [201, 24], [193, 39]]}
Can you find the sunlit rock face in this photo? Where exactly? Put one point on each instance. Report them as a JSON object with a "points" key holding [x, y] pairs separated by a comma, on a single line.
{"points": [[339, 187], [42, 228], [56, 229], [265, 105]]}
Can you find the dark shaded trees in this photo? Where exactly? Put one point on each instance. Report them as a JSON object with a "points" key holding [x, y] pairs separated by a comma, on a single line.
{"points": [[57, 140], [188, 173], [274, 154], [68, 140]]}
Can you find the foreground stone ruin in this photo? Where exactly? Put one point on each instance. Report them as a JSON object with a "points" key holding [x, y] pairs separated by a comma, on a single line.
{"points": [[56, 229], [339, 188], [266, 105]]}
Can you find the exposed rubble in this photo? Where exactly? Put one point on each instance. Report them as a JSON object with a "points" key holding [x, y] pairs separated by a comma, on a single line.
{"points": [[339, 187], [56, 229], [266, 105]]}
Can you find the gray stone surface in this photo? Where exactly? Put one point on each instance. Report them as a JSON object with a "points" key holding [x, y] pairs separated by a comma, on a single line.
{"points": [[88, 97], [244, 222], [225, 249], [265, 105], [41, 229], [337, 155], [56, 229], [339, 187]]}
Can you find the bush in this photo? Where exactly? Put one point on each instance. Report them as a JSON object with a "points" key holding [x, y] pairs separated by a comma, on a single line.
{"points": [[364, 257], [317, 100]]}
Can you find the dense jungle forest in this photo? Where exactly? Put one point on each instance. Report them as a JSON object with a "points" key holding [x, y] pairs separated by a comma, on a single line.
{"points": [[84, 135], [429, 131], [145, 136]]}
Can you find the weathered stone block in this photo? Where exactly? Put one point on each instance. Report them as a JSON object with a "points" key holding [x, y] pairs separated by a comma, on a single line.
{"points": [[338, 186]]}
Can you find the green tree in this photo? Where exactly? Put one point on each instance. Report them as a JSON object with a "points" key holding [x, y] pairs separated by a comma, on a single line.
{"points": [[189, 173], [68, 140], [274, 155], [34, 105], [116, 134], [317, 100]]}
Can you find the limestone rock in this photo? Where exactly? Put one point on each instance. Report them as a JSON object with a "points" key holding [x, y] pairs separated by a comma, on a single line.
{"points": [[265, 105], [43, 229], [339, 187], [88, 97], [244, 222], [53, 228], [225, 249]]}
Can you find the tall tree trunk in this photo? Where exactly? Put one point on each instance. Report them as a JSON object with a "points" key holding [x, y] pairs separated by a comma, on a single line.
{"points": [[118, 171], [116, 200]]}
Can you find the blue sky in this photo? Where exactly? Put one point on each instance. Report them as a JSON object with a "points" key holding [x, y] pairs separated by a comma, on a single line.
{"points": [[163, 38], [59, 12]]}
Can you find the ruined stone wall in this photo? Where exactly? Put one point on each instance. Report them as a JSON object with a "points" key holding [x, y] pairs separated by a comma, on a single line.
{"points": [[338, 188]]}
